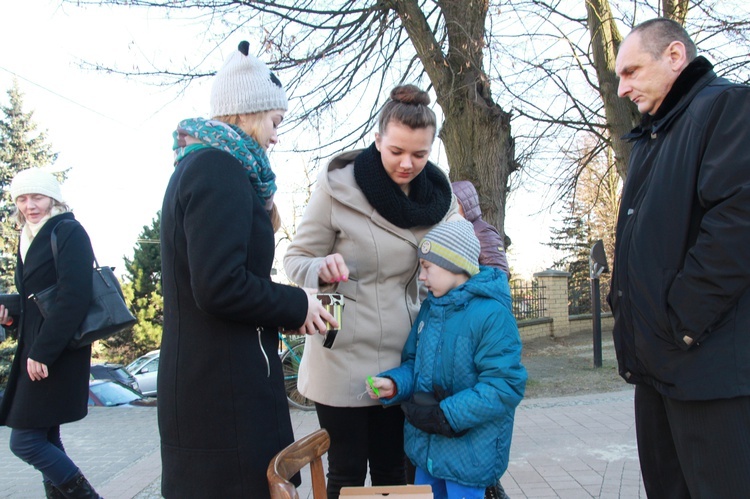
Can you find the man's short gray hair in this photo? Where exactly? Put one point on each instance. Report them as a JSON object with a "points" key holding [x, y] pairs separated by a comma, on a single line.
{"points": [[657, 34]]}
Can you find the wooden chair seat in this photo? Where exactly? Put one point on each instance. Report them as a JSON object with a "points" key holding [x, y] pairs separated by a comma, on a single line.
{"points": [[290, 460]]}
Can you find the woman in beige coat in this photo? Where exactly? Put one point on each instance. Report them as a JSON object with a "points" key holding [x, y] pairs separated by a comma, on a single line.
{"points": [[359, 237]]}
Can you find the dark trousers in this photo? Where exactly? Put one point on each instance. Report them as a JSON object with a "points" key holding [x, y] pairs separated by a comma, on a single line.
{"points": [[693, 449], [43, 449], [360, 435]]}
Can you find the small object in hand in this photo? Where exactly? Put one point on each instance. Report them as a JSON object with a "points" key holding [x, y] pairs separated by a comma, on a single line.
{"points": [[12, 302], [334, 305], [374, 389]]}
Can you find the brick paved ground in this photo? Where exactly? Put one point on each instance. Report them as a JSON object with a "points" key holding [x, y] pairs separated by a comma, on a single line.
{"points": [[567, 447]]}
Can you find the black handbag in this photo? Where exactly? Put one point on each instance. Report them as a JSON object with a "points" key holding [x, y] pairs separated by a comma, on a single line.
{"points": [[107, 315], [12, 302]]}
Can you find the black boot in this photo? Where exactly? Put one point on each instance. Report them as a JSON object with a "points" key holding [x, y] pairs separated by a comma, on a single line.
{"points": [[52, 492], [495, 492], [78, 488]]}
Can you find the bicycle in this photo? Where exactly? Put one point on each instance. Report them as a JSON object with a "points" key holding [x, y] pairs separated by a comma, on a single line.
{"points": [[290, 360]]}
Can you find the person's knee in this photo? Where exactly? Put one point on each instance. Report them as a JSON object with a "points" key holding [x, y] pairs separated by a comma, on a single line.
{"points": [[23, 447], [347, 468]]}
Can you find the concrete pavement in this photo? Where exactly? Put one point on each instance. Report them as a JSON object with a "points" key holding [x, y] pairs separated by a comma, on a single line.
{"points": [[567, 447]]}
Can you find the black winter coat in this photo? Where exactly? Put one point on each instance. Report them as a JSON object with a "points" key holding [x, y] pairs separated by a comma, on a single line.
{"points": [[62, 397], [681, 265], [223, 410]]}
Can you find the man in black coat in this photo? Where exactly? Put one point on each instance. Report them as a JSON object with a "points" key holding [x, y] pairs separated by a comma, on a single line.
{"points": [[681, 281]]}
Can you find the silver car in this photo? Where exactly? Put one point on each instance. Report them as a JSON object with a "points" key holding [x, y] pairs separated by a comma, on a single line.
{"points": [[145, 369]]}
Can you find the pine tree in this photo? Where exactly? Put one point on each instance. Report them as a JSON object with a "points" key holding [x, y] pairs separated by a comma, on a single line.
{"points": [[574, 240], [20, 148], [591, 215], [143, 292]]}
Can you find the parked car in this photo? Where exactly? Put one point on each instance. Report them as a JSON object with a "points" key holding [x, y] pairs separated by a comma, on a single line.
{"points": [[115, 372], [145, 369], [110, 393]]}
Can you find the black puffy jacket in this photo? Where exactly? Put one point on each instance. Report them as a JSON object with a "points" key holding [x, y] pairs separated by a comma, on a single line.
{"points": [[682, 266]]}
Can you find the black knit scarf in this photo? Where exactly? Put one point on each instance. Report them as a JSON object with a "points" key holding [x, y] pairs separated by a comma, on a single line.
{"points": [[429, 192]]}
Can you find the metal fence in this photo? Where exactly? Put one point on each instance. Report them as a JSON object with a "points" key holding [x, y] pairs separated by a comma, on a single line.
{"points": [[579, 296], [528, 298]]}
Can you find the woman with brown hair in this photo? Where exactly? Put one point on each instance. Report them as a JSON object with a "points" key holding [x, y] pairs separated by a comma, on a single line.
{"points": [[359, 237]]}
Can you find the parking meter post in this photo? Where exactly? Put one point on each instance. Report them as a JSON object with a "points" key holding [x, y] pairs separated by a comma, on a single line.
{"points": [[597, 318], [597, 265]]}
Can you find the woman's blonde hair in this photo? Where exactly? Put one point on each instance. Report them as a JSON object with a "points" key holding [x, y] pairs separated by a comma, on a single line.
{"points": [[254, 122], [55, 208]]}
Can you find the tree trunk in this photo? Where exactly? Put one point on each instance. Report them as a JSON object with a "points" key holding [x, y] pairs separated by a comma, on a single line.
{"points": [[622, 115], [476, 131], [675, 9], [479, 146]]}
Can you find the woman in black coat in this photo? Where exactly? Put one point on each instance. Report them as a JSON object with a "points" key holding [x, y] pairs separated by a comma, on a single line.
{"points": [[223, 411], [48, 384]]}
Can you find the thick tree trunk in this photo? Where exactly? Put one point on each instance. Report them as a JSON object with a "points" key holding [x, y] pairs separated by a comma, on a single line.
{"points": [[477, 139], [622, 115], [476, 131]]}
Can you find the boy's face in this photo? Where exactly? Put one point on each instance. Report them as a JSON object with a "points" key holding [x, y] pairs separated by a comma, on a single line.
{"points": [[437, 279]]}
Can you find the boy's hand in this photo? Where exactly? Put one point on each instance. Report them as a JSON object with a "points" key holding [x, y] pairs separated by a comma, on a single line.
{"points": [[424, 413], [385, 387]]}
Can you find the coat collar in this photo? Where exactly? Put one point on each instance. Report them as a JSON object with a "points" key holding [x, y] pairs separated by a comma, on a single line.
{"points": [[40, 249], [692, 80], [338, 181]]}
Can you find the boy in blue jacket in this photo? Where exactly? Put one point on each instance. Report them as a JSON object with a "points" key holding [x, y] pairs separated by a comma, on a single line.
{"points": [[460, 377]]}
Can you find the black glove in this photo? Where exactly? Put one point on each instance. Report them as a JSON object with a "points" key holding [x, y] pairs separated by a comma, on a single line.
{"points": [[423, 412]]}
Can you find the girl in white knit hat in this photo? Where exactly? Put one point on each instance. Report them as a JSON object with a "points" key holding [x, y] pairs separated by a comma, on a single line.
{"points": [[223, 410], [48, 384]]}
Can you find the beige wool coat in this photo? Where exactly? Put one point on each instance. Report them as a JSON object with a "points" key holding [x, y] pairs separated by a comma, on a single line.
{"points": [[381, 296]]}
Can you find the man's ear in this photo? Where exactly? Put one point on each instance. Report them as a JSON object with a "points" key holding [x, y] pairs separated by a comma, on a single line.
{"points": [[677, 56]]}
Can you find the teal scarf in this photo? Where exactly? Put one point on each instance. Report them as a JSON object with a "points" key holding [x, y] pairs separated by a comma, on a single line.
{"points": [[199, 133]]}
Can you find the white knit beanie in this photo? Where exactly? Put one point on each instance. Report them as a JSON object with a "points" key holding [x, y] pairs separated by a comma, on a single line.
{"points": [[35, 181], [245, 85], [453, 246]]}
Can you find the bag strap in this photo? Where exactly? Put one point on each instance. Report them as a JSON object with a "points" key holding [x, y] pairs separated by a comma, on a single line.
{"points": [[53, 243]]}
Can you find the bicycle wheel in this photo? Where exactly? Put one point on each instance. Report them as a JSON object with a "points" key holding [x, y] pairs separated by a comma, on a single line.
{"points": [[290, 364]]}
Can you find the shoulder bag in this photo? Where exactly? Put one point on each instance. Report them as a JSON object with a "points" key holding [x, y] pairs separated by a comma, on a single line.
{"points": [[107, 315]]}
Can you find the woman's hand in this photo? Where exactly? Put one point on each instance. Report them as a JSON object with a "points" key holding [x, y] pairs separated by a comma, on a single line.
{"points": [[5, 319], [317, 315], [37, 371], [333, 269], [385, 386]]}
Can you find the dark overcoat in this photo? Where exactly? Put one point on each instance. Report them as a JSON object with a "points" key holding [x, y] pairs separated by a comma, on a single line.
{"points": [[62, 397], [223, 410], [681, 268]]}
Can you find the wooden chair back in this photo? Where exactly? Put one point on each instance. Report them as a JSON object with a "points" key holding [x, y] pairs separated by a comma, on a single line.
{"points": [[294, 457]]}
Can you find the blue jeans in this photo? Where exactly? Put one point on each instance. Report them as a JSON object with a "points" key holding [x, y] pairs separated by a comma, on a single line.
{"points": [[444, 489], [43, 449]]}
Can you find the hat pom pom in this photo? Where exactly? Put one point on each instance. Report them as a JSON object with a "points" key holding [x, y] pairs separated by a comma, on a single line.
{"points": [[244, 47]]}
